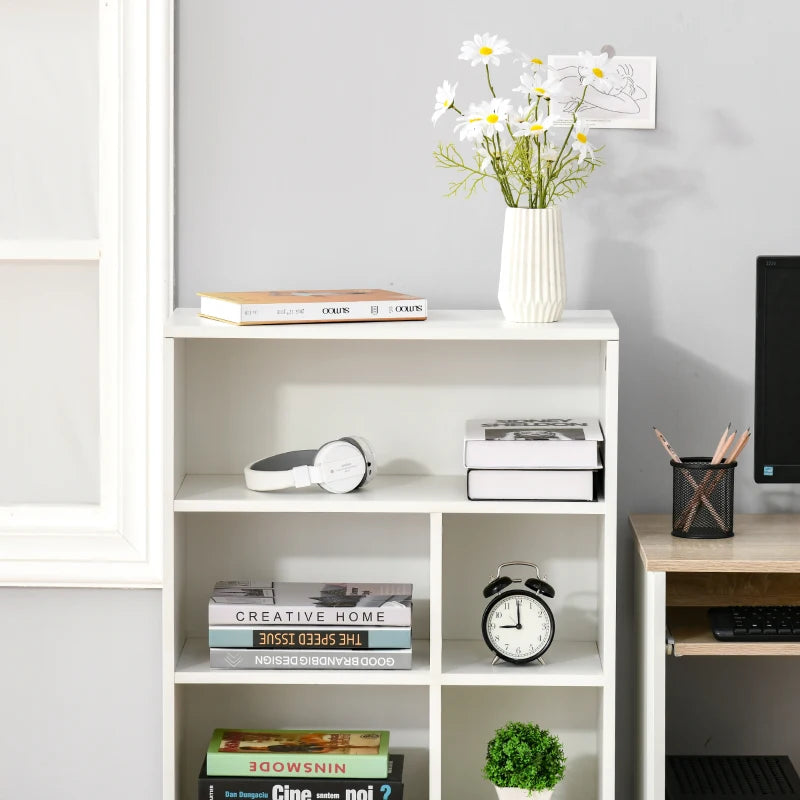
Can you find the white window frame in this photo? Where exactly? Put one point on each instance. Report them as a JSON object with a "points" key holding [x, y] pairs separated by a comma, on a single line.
{"points": [[118, 541]]}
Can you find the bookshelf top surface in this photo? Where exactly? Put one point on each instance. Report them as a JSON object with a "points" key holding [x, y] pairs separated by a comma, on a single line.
{"points": [[464, 325]]}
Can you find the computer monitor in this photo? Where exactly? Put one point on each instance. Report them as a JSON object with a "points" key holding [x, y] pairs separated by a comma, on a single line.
{"points": [[776, 432]]}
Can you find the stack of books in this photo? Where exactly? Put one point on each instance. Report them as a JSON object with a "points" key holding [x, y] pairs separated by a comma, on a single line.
{"points": [[532, 459], [309, 625], [300, 765]]}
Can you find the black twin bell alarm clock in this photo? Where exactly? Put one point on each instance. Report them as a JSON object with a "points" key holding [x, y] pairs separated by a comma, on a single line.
{"points": [[518, 625]]}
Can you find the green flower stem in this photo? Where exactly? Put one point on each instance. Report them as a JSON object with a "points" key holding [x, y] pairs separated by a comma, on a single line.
{"points": [[571, 127], [456, 109], [499, 167], [489, 81]]}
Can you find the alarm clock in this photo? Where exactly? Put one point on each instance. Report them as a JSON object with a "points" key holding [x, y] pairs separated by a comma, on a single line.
{"points": [[518, 626]]}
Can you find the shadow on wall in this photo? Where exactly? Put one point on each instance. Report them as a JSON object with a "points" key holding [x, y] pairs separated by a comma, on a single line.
{"points": [[661, 384]]}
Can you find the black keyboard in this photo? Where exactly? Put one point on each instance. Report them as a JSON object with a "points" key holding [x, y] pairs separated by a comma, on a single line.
{"points": [[755, 623]]}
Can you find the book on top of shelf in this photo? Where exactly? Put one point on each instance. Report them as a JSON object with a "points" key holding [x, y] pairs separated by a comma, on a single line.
{"points": [[299, 603], [251, 658], [530, 484], [314, 305], [532, 443], [319, 637], [298, 753], [217, 787]]}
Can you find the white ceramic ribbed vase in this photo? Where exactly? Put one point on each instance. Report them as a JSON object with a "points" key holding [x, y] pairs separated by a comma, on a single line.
{"points": [[511, 793], [533, 281]]}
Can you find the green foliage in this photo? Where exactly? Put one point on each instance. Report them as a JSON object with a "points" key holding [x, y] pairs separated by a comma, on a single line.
{"points": [[524, 756], [448, 156]]}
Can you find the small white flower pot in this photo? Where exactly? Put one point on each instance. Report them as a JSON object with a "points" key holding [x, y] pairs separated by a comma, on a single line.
{"points": [[512, 793], [533, 281]]}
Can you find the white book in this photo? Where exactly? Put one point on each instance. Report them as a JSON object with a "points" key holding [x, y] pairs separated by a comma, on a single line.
{"points": [[334, 305], [544, 443], [530, 484]]}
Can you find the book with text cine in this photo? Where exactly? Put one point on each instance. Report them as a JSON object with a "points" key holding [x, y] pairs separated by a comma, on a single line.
{"points": [[299, 753]]}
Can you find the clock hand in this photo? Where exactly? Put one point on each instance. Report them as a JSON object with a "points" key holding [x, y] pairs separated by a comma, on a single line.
{"points": [[519, 624]]}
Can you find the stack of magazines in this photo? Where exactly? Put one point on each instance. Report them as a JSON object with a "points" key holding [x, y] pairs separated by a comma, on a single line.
{"points": [[300, 765], [276, 625], [532, 459]]}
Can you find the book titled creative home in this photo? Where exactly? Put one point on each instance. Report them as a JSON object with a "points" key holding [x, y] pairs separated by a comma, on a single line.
{"points": [[533, 443], [293, 754], [317, 305], [327, 788], [287, 603]]}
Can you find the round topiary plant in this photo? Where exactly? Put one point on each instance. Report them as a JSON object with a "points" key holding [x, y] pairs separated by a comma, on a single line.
{"points": [[524, 756]]}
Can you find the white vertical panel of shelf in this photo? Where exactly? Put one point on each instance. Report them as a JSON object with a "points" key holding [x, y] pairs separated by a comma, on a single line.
{"points": [[435, 692], [651, 597], [607, 639], [168, 606]]}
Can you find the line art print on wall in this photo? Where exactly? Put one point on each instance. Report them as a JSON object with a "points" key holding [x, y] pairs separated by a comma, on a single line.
{"points": [[629, 104]]}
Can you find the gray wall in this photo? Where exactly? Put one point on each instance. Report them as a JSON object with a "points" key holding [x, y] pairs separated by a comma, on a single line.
{"points": [[304, 160], [80, 693]]}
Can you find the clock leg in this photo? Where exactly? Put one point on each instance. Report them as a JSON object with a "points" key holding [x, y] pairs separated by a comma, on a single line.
{"points": [[495, 660], [542, 661]]}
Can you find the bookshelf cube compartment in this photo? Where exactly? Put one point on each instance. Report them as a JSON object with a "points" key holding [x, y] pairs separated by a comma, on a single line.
{"points": [[565, 548], [470, 716], [403, 711], [304, 547], [300, 394]]}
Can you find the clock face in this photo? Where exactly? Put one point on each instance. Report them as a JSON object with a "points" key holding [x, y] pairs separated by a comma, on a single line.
{"points": [[518, 626]]}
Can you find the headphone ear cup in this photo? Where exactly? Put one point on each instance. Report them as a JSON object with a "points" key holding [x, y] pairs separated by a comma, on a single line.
{"points": [[371, 467], [497, 585], [342, 466]]}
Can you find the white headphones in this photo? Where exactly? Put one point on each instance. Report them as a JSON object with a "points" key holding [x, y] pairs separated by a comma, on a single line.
{"points": [[340, 466]]}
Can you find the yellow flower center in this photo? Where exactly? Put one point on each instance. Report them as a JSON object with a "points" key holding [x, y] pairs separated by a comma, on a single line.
{"points": [[446, 103], [537, 61], [492, 118], [536, 127], [486, 51], [598, 73], [581, 137], [474, 119], [538, 90]]}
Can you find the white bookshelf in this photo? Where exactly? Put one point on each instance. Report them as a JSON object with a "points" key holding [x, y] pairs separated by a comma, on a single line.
{"points": [[235, 394]]}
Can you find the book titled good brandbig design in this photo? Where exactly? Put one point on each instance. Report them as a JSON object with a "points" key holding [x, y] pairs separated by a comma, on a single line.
{"points": [[317, 305], [293, 753]]}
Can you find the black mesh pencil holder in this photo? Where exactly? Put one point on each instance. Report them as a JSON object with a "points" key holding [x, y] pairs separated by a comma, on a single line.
{"points": [[702, 499]]}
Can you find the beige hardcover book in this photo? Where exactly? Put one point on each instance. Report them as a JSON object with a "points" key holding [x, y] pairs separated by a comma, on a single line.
{"points": [[313, 305]]}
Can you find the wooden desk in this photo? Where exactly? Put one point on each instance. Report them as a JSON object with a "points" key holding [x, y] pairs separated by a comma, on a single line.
{"points": [[677, 580]]}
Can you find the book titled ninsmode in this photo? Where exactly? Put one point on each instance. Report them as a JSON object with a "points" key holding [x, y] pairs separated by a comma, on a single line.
{"points": [[346, 754], [314, 305]]}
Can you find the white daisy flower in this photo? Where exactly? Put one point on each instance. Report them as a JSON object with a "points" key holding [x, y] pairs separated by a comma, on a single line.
{"points": [[484, 49], [549, 152], [531, 62], [470, 126], [484, 159], [520, 115], [536, 127], [495, 114], [598, 71], [445, 97], [581, 143], [539, 85]]}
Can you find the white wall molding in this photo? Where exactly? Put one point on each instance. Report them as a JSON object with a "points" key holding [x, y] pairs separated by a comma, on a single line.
{"points": [[118, 541]]}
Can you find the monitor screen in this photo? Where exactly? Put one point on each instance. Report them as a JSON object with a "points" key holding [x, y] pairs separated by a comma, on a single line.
{"points": [[777, 403]]}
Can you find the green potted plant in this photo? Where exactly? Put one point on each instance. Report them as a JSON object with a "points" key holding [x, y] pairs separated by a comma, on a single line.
{"points": [[524, 761]]}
